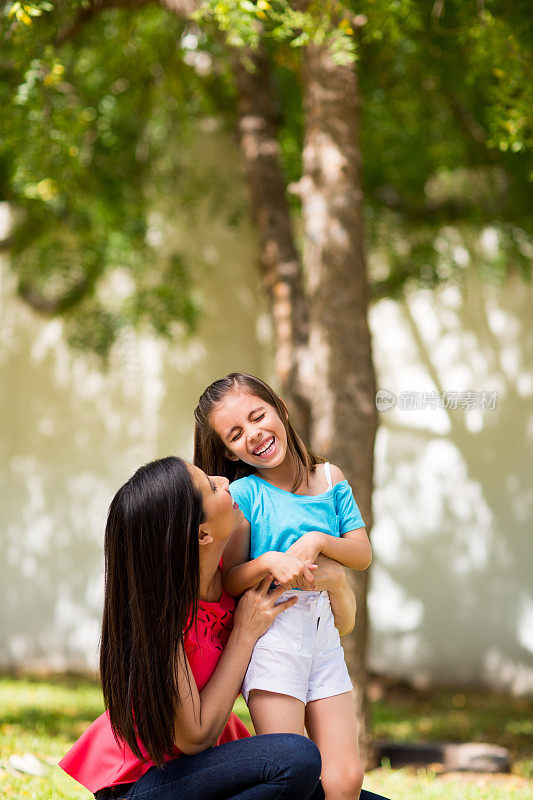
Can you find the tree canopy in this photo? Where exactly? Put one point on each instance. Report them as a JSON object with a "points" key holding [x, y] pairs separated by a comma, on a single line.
{"points": [[100, 101]]}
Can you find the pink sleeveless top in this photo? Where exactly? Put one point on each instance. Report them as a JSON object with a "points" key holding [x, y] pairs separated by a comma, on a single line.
{"points": [[97, 760]]}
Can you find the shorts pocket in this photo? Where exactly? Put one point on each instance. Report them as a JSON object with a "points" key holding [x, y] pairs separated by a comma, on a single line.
{"points": [[285, 633], [328, 636]]}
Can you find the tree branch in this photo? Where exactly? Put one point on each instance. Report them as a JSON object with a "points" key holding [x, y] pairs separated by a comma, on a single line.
{"points": [[432, 211], [50, 307], [279, 261], [467, 121], [391, 286], [182, 8]]}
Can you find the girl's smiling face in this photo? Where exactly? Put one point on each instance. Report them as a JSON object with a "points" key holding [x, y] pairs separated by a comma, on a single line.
{"points": [[250, 429]]}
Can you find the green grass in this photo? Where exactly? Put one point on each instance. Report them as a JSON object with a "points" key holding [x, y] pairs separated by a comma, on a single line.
{"points": [[44, 717]]}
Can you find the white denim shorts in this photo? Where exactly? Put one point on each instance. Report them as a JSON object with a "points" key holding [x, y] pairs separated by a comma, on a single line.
{"points": [[300, 655]]}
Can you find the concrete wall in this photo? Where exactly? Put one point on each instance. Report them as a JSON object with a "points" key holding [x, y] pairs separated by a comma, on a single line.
{"points": [[451, 597]]}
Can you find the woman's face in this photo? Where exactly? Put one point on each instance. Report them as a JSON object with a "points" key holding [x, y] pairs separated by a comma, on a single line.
{"points": [[222, 514], [250, 429]]}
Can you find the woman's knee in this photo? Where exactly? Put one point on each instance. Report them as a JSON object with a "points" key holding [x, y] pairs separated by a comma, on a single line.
{"points": [[308, 754], [301, 759]]}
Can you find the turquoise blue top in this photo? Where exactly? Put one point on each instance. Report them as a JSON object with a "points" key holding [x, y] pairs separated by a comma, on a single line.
{"points": [[278, 518]]}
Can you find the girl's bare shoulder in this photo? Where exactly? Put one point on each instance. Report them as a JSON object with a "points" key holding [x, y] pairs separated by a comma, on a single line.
{"points": [[337, 474]]}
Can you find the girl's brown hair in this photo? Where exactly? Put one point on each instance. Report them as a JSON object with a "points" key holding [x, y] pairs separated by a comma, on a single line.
{"points": [[210, 451]]}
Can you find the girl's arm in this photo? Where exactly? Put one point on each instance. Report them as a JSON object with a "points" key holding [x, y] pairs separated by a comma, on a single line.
{"points": [[352, 549], [240, 574], [331, 576], [201, 716]]}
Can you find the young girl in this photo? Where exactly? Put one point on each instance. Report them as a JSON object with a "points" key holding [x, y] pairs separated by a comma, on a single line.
{"points": [[296, 507]]}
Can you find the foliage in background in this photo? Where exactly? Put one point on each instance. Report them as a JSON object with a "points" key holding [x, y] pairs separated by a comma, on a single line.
{"points": [[95, 128], [247, 24], [100, 110]]}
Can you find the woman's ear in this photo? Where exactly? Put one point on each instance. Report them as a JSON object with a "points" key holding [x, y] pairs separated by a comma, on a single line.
{"points": [[204, 537], [230, 456]]}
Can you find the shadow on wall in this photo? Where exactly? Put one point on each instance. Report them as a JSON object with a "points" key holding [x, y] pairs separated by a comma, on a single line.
{"points": [[54, 499], [72, 435], [452, 598]]}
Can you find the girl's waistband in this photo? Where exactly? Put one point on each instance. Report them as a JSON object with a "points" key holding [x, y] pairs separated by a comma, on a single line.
{"points": [[306, 599]]}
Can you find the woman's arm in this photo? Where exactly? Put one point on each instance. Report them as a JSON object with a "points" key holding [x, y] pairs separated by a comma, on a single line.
{"points": [[240, 574], [332, 576], [201, 716]]}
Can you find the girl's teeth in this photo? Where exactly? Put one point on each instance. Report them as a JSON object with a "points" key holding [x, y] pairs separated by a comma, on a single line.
{"points": [[266, 449]]}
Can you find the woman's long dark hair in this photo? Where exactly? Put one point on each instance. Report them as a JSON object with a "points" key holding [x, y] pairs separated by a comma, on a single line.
{"points": [[151, 591], [210, 451]]}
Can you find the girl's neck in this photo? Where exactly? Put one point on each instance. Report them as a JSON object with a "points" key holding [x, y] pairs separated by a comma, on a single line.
{"points": [[283, 475]]}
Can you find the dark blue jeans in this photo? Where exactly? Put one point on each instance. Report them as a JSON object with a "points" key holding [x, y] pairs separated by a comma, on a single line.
{"points": [[277, 766]]}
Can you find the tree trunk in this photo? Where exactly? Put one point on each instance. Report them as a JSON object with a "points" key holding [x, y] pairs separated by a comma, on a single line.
{"points": [[279, 261], [343, 411]]}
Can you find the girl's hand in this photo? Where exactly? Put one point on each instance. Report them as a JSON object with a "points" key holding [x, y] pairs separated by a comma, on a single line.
{"points": [[257, 609], [291, 572], [307, 547]]}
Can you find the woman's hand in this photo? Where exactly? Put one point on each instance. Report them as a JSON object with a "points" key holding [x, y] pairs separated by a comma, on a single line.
{"points": [[201, 716], [291, 572], [257, 609]]}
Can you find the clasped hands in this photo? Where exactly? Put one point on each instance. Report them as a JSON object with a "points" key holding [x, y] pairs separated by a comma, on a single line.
{"points": [[294, 568]]}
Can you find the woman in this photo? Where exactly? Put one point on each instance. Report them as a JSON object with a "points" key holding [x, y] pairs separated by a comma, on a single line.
{"points": [[174, 653]]}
